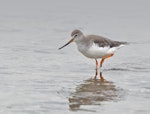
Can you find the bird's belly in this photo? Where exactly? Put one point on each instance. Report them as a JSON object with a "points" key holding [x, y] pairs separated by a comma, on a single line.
{"points": [[97, 52]]}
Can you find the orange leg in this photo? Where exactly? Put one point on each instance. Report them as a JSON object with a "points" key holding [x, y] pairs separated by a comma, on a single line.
{"points": [[101, 77], [102, 61], [96, 70]]}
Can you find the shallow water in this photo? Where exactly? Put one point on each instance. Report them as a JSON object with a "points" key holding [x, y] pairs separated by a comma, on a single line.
{"points": [[37, 78]]}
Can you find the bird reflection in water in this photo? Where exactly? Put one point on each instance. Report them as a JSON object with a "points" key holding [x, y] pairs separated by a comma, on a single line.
{"points": [[93, 92]]}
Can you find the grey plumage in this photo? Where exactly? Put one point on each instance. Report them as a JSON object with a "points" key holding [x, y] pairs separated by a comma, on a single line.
{"points": [[76, 31], [100, 40], [103, 42]]}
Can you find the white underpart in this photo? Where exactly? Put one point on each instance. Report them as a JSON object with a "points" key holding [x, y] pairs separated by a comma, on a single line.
{"points": [[98, 52]]}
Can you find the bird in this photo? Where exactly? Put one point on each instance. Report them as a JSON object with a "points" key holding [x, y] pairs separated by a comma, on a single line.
{"points": [[94, 46]]}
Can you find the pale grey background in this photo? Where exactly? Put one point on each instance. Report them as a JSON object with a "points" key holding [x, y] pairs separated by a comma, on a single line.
{"points": [[36, 78]]}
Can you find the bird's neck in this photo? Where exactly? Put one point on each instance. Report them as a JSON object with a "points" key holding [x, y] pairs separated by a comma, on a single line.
{"points": [[82, 45]]}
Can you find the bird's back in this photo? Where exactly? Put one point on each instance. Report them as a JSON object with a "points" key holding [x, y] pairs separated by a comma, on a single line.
{"points": [[104, 42]]}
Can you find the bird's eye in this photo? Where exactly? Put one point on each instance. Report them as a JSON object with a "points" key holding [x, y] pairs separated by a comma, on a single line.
{"points": [[75, 35]]}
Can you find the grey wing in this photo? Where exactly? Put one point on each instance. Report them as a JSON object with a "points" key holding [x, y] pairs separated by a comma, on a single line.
{"points": [[103, 42]]}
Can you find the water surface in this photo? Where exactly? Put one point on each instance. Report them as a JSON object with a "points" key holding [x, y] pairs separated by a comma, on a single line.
{"points": [[37, 78]]}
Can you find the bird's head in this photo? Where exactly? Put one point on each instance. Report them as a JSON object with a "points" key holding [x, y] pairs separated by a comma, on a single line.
{"points": [[76, 36]]}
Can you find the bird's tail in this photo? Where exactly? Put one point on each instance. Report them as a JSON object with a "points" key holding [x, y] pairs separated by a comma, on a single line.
{"points": [[125, 43]]}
